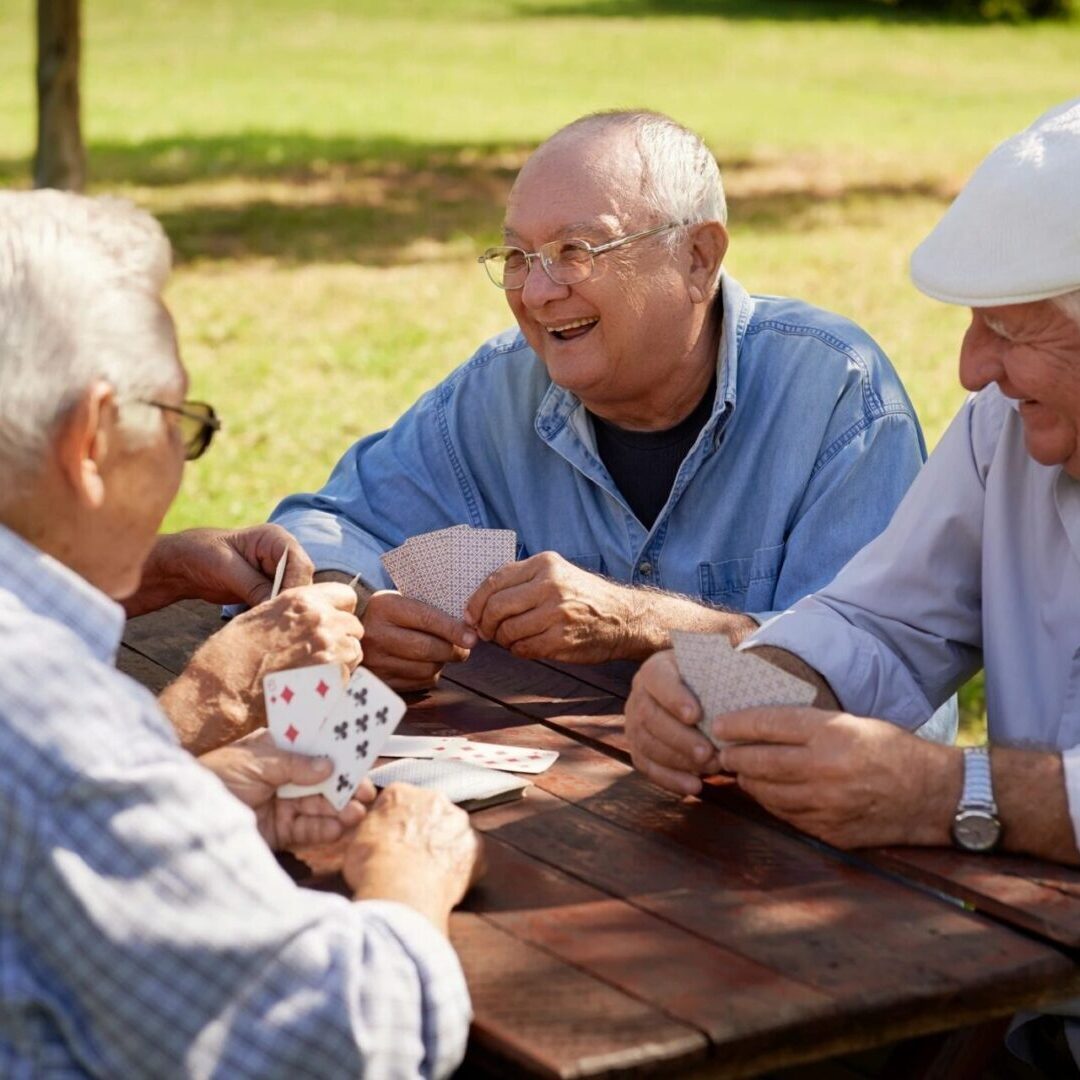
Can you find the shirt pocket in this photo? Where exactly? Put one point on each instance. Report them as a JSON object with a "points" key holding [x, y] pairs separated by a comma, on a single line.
{"points": [[746, 584]]}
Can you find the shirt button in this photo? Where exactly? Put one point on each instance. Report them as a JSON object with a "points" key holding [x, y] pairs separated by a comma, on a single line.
{"points": [[645, 569]]}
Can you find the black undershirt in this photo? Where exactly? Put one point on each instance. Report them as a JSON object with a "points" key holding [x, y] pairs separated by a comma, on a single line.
{"points": [[643, 464]]}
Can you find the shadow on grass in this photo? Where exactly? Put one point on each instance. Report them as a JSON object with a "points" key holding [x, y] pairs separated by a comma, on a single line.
{"points": [[302, 198], [872, 11]]}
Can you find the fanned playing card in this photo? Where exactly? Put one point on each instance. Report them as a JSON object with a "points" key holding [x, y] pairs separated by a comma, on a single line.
{"points": [[470, 786], [521, 759], [725, 680], [297, 702], [445, 567]]}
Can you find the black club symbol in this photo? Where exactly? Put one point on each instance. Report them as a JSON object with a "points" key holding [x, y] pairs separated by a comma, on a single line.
{"points": [[360, 696], [341, 731], [361, 749], [343, 782], [361, 722], [380, 714]]}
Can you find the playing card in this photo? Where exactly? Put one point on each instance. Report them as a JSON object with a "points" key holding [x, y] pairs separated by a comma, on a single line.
{"points": [[469, 786], [297, 703], [445, 567], [419, 746], [726, 680], [521, 759], [356, 728]]}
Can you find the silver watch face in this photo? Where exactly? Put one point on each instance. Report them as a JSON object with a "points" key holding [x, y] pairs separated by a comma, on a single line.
{"points": [[976, 830]]}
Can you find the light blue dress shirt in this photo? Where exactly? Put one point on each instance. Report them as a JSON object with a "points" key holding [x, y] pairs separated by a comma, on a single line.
{"points": [[980, 566], [811, 443], [145, 928]]}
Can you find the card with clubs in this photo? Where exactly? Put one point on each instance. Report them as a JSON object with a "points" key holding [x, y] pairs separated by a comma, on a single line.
{"points": [[726, 680], [356, 727], [519, 759]]}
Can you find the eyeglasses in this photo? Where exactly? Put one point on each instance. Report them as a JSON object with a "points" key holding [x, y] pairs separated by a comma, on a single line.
{"points": [[566, 262], [197, 424]]}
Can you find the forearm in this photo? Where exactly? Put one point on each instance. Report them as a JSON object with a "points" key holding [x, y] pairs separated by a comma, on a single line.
{"points": [[204, 711], [1033, 824], [162, 581], [652, 615], [793, 665]]}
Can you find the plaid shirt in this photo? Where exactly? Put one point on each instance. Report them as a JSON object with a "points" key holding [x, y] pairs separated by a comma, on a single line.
{"points": [[145, 928]]}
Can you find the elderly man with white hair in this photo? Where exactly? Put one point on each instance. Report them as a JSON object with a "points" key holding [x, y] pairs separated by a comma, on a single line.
{"points": [[145, 926], [671, 451], [980, 566]]}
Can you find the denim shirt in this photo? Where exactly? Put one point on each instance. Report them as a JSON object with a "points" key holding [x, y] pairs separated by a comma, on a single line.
{"points": [[810, 446]]}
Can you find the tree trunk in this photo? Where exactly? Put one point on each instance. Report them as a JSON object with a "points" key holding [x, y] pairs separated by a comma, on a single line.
{"points": [[60, 161]]}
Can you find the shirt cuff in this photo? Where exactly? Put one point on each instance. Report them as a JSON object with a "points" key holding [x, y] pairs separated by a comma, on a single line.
{"points": [[1070, 760]]}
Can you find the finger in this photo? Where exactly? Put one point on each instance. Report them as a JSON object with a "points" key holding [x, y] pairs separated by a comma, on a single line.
{"points": [[415, 646], [792, 726], [365, 792], [784, 800], [402, 612], [652, 716], [505, 577], [301, 830], [646, 744], [659, 677], [531, 622], [351, 814], [760, 761], [286, 768], [674, 780], [299, 569]]}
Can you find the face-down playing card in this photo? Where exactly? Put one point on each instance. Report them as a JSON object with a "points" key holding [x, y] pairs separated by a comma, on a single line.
{"points": [[470, 786], [352, 735], [444, 568], [725, 680]]}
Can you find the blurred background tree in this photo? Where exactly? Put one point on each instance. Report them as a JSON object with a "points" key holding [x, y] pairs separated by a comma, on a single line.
{"points": [[60, 160]]}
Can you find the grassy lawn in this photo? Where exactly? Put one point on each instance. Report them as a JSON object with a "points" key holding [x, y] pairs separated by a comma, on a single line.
{"points": [[327, 171]]}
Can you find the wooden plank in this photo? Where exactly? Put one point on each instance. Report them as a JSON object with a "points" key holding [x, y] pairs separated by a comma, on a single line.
{"points": [[536, 1015], [1030, 894], [143, 670], [169, 636]]}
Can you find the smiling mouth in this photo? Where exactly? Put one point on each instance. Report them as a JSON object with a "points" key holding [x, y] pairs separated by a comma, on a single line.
{"points": [[569, 331]]}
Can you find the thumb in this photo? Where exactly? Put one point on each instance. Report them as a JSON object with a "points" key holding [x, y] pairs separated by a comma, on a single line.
{"points": [[285, 768]]}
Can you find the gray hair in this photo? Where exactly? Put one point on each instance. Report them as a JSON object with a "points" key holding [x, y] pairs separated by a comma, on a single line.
{"points": [[680, 177], [80, 285], [1070, 303]]}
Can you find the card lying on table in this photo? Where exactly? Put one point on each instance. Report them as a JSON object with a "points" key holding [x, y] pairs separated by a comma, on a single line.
{"points": [[444, 568], [310, 712], [472, 787], [725, 680], [508, 758], [420, 746]]}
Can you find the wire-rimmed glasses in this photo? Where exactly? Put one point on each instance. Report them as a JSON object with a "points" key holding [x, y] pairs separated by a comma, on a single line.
{"points": [[197, 423], [566, 262]]}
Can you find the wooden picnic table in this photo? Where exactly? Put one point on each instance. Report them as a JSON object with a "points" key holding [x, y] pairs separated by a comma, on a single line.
{"points": [[620, 929]]}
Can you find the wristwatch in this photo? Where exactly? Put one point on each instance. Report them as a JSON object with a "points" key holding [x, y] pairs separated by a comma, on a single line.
{"points": [[976, 826]]}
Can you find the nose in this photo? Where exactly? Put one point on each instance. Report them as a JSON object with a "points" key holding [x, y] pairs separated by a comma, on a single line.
{"points": [[980, 360], [539, 288]]}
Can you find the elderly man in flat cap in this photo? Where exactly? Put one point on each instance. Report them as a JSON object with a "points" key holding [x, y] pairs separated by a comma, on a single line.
{"points": [[145, 926], [980, 566]]}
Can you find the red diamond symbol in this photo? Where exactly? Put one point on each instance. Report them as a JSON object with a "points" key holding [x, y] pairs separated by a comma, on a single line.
{"points": [[322, 689], [288, 695], [291, 733]]}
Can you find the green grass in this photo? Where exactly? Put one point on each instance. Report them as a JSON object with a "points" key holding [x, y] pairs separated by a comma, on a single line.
{"points": [[328, 169]]}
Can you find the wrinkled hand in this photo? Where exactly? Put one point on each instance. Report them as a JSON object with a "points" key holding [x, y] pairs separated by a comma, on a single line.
{"points": [[661, 724], [416, 847], [545, 607], [847, 780], [407, 642], [253, 769], [218, 696], [222, 566]]}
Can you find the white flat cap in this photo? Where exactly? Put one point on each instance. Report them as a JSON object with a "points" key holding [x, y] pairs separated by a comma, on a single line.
{"points": [[1013, 233]]}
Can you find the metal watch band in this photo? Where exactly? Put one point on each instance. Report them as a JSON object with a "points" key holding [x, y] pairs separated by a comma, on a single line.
{"points": [[978, 791]]}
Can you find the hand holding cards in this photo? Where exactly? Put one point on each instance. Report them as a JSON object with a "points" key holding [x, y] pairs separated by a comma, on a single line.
{"points": [[725, 680], [309, 711]]}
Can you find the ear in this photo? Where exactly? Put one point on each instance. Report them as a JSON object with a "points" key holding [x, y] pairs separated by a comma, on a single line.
{"points": [[82, 444], [708, 246]]}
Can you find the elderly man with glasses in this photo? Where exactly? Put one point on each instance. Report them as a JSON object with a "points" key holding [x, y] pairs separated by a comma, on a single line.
{"points": [[145, 926], [671, 451]]}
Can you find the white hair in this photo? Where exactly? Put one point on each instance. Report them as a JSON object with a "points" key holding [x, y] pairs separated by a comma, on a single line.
{"points": [[680, 177], [80, 285], [1070, 303]]}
